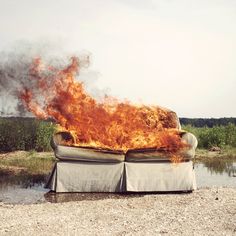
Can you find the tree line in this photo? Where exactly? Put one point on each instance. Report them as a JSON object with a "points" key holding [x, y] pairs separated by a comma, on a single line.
{"points": [[207, 122], [18, 133]]}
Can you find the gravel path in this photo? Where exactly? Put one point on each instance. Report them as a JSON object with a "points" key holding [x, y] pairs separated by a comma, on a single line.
{"points": [[203, 212]]}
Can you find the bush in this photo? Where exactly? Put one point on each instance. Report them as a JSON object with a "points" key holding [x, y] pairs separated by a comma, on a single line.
{"points": [[220, 136], [44, 134], [25, 134]]}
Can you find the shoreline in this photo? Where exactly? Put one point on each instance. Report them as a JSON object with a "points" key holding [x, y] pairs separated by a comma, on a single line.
{"points": [[224, 154]]}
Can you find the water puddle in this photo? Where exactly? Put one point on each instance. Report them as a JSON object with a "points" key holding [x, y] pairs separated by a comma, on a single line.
{"points": [[22, 189], [216, 173], [27, 189]]}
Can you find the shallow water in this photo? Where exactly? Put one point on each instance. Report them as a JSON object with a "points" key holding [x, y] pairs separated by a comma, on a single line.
{"points": [[22, 189], [28, 189], [216, 174]]}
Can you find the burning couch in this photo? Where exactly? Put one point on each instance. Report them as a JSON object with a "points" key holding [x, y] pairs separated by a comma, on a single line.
{"points": [[94, 169], [106, 145]]}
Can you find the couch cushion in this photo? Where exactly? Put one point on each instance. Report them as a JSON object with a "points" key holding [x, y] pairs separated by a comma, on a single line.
{"points": [[65, 152], [152, 155], [87, 154]]}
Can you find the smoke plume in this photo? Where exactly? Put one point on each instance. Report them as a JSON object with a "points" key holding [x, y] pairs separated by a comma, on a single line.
{"points": [[15, 73]]}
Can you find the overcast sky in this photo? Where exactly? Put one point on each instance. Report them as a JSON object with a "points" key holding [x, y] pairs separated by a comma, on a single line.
{"points": [[173, 53]]}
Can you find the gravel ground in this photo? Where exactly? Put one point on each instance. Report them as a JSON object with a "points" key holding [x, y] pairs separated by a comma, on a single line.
{"points": [[203, 212]]}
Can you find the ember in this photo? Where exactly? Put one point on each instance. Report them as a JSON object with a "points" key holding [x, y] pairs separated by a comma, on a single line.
{"points": [[108, 124]]}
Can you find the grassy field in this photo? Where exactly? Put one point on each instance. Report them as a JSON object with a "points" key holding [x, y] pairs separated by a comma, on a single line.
{"points": [[26, 163], [225, 153]]}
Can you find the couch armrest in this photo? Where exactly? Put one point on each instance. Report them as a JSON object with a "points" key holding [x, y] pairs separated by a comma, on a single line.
{"points": [[190, 139]]}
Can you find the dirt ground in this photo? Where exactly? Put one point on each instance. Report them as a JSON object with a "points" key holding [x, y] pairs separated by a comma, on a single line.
{"points": [[203, 212]]}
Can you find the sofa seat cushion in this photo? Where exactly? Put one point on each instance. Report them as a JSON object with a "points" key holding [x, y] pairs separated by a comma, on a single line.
{"points": [[87, 154]]}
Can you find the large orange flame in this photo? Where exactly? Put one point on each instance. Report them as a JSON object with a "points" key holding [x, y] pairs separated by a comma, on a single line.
{"points": [[109, 124]]}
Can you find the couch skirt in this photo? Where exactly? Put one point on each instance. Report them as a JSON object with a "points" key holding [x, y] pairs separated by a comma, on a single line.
{"points": [[79, 176]]}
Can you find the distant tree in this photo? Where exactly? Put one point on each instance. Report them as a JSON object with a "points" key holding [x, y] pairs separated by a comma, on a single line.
{"points": [[208, 122]]}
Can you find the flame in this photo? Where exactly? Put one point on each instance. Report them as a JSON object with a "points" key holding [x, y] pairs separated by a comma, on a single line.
{"points": [[109, 124], [176, 158]]}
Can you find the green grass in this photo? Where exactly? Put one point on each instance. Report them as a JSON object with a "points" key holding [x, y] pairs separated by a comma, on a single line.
{"points": [[225, 154], [32, 163]]}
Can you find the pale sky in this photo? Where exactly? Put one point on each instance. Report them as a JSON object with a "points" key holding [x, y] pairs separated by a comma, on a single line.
{"points": [[172, 53]]}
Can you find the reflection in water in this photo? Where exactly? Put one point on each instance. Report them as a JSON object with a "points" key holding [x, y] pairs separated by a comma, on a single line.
{"points": [[22, 180], [216, 174], [68, 197], [220, 166], [22, 188]]}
